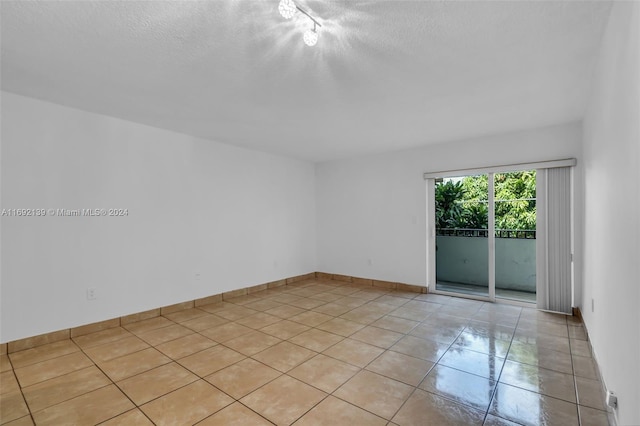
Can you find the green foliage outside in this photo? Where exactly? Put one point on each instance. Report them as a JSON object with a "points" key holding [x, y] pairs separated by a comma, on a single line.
{"points": [[463, 203]]}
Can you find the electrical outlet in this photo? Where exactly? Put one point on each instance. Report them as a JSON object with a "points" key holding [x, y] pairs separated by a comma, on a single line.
{"points": [[197, 276], [611, 400], [369, 262], [91, 294]]}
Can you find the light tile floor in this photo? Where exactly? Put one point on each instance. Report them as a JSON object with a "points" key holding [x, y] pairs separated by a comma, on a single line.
{"points": [[314, 353]]}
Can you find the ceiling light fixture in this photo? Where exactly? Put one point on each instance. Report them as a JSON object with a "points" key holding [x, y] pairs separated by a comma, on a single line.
{"points": [[288, 9], [311, 36]]}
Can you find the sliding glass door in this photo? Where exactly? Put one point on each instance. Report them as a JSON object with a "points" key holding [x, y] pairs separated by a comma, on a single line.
{"points": [[484, 235], [462, 235], [515, 235]]}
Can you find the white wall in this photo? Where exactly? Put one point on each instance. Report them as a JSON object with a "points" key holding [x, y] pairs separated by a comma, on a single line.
{"points": [[612, 212], [375, 207], [238, 217]]}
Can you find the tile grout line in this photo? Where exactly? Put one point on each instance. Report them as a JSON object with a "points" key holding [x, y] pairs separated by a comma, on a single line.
{"points": [[495, 389], [415, 388], [575, 380], [318, 353], [286, 373], [31, 412], [114, 384]]}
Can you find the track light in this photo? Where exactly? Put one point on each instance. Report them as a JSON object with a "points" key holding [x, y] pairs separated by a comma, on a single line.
{"points": [[288, 9]]}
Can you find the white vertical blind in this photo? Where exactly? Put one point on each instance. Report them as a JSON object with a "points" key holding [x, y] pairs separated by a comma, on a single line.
{"points": [[553, 249]]}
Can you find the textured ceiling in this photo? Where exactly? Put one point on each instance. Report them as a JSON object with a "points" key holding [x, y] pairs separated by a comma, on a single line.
{"points": [[385, 75]]}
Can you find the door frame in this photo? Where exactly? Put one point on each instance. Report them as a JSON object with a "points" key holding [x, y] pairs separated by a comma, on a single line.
{"points": [[430, 178]]}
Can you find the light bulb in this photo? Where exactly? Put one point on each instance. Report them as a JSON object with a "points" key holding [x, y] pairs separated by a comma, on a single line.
{"points": [[310, 38], [287, 8]]}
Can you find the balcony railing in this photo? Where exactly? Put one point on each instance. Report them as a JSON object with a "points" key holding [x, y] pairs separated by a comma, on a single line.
{"points": [[484, 233], [462, 257]]}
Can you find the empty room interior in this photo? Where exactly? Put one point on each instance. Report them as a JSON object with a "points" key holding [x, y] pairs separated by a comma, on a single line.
{"points": [[320, 212]]}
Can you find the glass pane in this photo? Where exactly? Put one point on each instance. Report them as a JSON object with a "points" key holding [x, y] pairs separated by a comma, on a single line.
{"points": [[515, 231], [462, 240]]}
